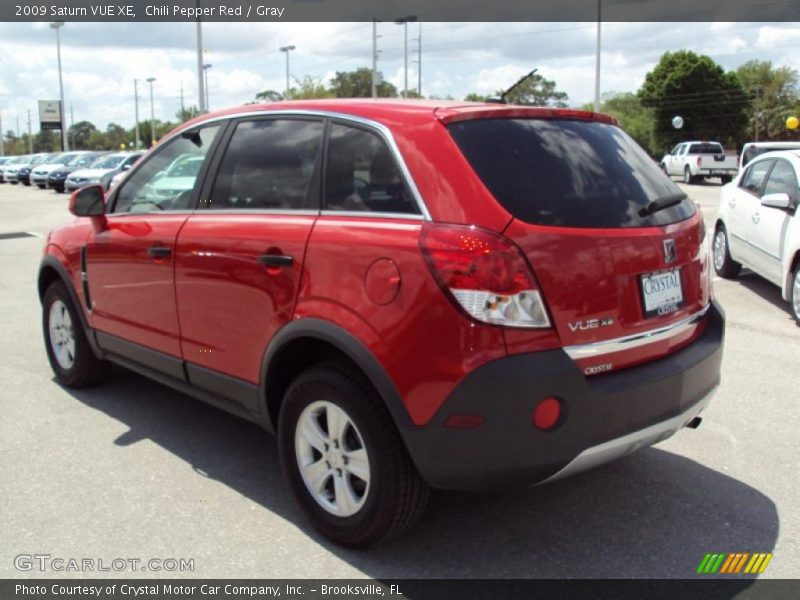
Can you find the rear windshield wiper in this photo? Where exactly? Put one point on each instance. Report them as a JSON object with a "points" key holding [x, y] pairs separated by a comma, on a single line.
{"points": [[661, 203]]}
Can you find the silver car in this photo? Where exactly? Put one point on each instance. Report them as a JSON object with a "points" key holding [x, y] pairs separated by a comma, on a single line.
{"points": [[102, 171], [12, 167]]}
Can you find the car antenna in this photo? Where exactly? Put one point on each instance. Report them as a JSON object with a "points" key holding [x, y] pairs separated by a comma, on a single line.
{"points": [[502, 98]]}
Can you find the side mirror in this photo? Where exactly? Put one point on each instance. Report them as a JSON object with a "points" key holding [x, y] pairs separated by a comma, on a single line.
{"points": [[126, 167], [780, 200], [90, 201]]}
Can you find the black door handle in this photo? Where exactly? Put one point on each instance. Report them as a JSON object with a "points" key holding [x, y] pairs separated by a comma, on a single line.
{"points": [[159, 251], [275, 260]]}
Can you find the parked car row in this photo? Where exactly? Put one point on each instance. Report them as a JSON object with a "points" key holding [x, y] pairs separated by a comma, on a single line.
{"points": [[66, 171]]}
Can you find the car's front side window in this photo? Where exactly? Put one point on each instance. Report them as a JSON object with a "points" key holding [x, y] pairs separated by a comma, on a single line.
{"points": [[152, 189], [782, 179], [753, 179]]}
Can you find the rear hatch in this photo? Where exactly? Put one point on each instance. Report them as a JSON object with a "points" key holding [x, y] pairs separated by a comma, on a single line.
{"points": [[618, 251]]}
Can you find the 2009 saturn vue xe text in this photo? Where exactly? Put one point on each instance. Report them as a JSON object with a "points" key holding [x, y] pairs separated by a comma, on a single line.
{"points": [[410, 294]]}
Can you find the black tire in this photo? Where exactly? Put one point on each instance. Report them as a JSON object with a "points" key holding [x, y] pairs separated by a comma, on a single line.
{"points": [[40, 186], [725, 179], [794, 294], [688, 178], [396, 496], [724, 265], [86, 369]]}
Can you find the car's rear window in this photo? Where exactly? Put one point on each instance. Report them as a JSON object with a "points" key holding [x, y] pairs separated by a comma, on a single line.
{"points": [[706, 148], [568, 173]]}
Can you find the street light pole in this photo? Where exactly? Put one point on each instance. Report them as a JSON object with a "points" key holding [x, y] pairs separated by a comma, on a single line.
{"points": [[597, 62], [200, 95], [404, 21], [57, 26], [30, 134], [374, 58], [286, 50], [136, 110], [206, 67], [419, 61], [150, 80]]}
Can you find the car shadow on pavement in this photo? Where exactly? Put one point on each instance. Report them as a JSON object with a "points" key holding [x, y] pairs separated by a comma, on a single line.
{"points": [[765, 289], [654, 514]]}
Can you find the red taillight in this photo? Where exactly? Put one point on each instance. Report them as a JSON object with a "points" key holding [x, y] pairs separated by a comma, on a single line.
{"points": [[485, 273], [699, 160], [547, 413]]}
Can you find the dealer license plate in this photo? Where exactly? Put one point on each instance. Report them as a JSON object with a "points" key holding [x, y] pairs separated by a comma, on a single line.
{"points": [[661, 292]]}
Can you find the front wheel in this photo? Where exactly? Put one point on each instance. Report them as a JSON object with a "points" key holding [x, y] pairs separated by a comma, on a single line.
{"points": [[68, 350], [795, 294], [344, 459], [724, 265]]}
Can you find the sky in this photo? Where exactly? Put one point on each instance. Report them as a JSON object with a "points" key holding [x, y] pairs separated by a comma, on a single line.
{"points": [[101, 60]]}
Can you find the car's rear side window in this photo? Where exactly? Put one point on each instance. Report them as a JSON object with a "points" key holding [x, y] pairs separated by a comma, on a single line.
{"points": [[361, 174], [268, 165], [706, 148], [568, 173]]}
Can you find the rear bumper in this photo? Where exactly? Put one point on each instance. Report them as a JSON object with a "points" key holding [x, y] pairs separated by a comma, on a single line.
{"points": [[712, 172], [605, 416]]}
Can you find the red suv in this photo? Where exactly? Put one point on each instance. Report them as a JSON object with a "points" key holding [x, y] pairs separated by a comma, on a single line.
{"points": [[410, 294]]}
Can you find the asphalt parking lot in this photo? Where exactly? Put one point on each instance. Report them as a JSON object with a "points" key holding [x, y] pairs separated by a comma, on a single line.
{"points": [[132, 469]]}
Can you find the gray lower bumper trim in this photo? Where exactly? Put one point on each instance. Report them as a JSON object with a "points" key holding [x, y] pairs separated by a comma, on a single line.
{"points": [[627, 444]]}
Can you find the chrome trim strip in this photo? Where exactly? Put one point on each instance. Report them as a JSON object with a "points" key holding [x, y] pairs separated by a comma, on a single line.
{"points": [[635, 340], [627, 444], [379, 128], [372, 214]]}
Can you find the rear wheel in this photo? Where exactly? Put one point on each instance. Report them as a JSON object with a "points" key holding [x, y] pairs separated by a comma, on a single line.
{"points": [[688, 178], [795, 294], [68, 350], [725, 179], [724, 265], [344, 460]]}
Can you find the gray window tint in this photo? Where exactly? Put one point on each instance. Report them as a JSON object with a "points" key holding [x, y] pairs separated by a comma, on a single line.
{"points": [[754, 178], [362, 175], [269, 164], [166, 180], [568, 173], [782, 179]]}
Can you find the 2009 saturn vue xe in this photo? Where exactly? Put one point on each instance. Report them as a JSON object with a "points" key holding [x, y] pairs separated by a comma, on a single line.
{"points": [[410, 294]]}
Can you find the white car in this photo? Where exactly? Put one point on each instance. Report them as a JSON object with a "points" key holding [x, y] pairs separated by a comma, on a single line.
{"points": [[757, 224], [41, 172], [752, 149], [698, 160]]}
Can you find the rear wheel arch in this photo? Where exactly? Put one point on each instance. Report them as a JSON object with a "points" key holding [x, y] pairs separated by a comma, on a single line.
{"points": [[310, 341]]}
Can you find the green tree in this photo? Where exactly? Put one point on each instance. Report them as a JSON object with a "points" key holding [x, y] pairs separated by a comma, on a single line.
{"points": [[187, 113], [269, 96], [536, 90], [474, 97], [774, 95], [309, 88], [46, 141], [80, 133], [712, 103], [634, 118], [116, 136], [358, 84]]}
